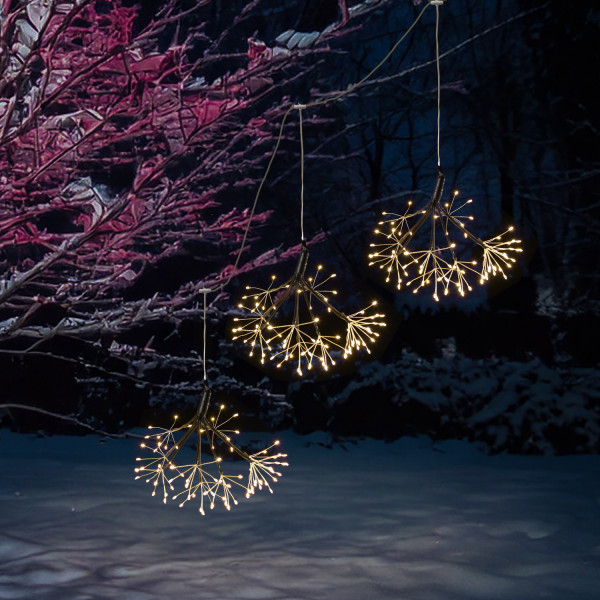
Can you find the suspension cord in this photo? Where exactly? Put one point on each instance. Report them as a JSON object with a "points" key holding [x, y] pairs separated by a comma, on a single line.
{"points": [[204, 338], [437, 64], [301, 175]]}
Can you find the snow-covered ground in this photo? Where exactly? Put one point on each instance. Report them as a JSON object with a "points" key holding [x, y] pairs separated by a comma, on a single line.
{"points": [[373, 521]]}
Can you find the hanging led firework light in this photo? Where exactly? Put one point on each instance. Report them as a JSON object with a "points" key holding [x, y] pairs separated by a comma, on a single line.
{"points": [[204, 477], [438, 264], [207, 441], [295, 336]]}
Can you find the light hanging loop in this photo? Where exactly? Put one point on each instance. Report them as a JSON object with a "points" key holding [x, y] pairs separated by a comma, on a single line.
{"points": [[300, 107]]}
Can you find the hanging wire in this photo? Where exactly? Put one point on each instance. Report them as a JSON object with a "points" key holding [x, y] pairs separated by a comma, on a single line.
{"points": [[341, 95], [219, 288], [204, 338], [301, 176], [437, 64], [223, 285]]}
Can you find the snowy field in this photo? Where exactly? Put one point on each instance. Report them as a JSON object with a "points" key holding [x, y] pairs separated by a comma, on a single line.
{"points": [[374, 521]]}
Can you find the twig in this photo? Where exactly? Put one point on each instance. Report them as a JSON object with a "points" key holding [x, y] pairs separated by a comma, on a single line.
{"points": [[72, 420]]}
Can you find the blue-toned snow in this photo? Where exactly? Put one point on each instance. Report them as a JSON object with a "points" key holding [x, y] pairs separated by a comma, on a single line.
{"points": [[374, 521]]}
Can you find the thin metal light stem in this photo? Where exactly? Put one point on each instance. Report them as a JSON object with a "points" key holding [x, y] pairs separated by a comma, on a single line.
{"points": [[437, 63], [301, 177], [204, 339]]}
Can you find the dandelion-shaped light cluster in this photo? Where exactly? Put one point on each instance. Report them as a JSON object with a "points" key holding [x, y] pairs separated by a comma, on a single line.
{"points": [[302, 342], [204, 478], [438, 264]]}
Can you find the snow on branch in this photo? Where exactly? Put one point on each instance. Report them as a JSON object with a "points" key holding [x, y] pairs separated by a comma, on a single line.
{"points": [[126, 142]]}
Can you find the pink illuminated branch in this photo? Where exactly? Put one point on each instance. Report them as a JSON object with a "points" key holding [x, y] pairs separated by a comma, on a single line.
{"points": [[117, 153]]}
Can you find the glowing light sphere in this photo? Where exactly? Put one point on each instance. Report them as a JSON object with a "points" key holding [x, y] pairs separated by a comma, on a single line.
{"points": [[301, 341], [204, 479], [438, 265]]}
